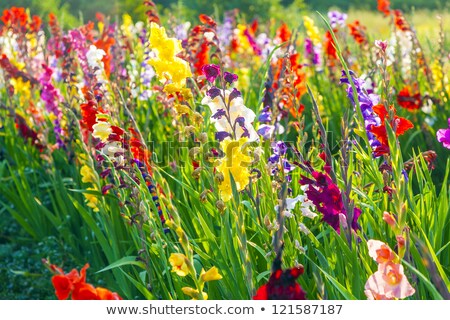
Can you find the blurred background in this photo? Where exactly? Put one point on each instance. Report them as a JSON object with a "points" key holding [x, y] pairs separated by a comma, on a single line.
{"points": [[75, 11]]}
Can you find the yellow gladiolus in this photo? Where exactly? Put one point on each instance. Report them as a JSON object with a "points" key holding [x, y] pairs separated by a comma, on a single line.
{"points": [[166, 63], [236, 163], [194, 294], [211, 275], [179, 265]]}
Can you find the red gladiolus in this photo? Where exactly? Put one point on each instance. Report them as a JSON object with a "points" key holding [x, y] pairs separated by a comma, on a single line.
{"points": [[408, 100], [207, 20], [400, 21], [283, 34], [282, 284], [14, 17], [88, 112], [35, 24], [73, 284], [384, 6], [399, 125], [357, 32], [330, 48]]}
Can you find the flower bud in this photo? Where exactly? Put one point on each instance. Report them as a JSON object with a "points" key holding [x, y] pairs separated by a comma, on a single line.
{"points": [[220, 205], [189, 130], [193, 152], [197, 117], [197, 172], [389, 219], [203, 137], [204, 195], [219, 177]]}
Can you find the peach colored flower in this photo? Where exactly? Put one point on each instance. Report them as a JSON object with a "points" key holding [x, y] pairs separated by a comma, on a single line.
{"points": [[388, 283], [381, 252]]}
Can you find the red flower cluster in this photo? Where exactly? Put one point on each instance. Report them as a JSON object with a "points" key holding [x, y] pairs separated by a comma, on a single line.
{"points": [[74, 284], [283, 34], [282, 284], [406, 99], [330, 48], [138, 149], [400, 21], [357, 30], [14, 16], [384, 6], [398, 124], [17, 18]]}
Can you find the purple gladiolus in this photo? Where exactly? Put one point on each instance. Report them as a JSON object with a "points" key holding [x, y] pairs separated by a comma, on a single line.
{"points": [[366, 103], [443, 136], [211, 72]]}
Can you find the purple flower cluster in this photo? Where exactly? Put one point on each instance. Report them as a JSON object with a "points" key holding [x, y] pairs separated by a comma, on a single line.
{"points": [[313, 53], [225, 31], [366, 103], [279, 150], [337, 19], [270, 125], [51, 97], [327, 198]]}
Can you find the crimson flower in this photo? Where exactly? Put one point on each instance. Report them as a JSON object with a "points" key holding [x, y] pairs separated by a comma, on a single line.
{"points": [[408, 100], [282, 284]]}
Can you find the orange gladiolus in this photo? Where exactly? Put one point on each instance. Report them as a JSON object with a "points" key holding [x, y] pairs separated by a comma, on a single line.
{"points": [[399, 125], [73, 284], [384, 6]]}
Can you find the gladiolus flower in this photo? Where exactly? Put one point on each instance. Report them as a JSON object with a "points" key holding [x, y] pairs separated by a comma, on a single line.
{"points": [[210, 275], [211, 72], [389, 219], [193, 293], [179, 265], [443, 136], [388, 283], [102, 130], [237, 112], [74, 284], [399, 125], [282, 285], [408, 100], [87, 174], [91, 200], [380, 252], [384, 7], [236, 163], [166, 63]]}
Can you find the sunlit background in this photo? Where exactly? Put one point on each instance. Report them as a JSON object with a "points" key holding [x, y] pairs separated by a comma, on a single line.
{"points": [[75, 10]]}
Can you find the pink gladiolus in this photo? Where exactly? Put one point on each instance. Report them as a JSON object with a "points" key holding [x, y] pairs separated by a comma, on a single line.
{"points": [[388, 283], [380, 252]]}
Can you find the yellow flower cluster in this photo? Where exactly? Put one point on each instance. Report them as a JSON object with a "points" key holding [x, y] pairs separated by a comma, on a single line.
{"points": [[439, 78], [102, 130], [88, 176], [311, 30], [21, 88], [91, 200], [236, 162], [166, 63]]}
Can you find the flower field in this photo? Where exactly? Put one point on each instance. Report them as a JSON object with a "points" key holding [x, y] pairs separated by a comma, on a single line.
{"points": [[224, 158]]}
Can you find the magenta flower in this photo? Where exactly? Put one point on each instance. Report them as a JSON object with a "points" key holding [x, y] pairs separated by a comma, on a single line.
{"points": [[327, 198], [211, 72], [443, 136]]}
